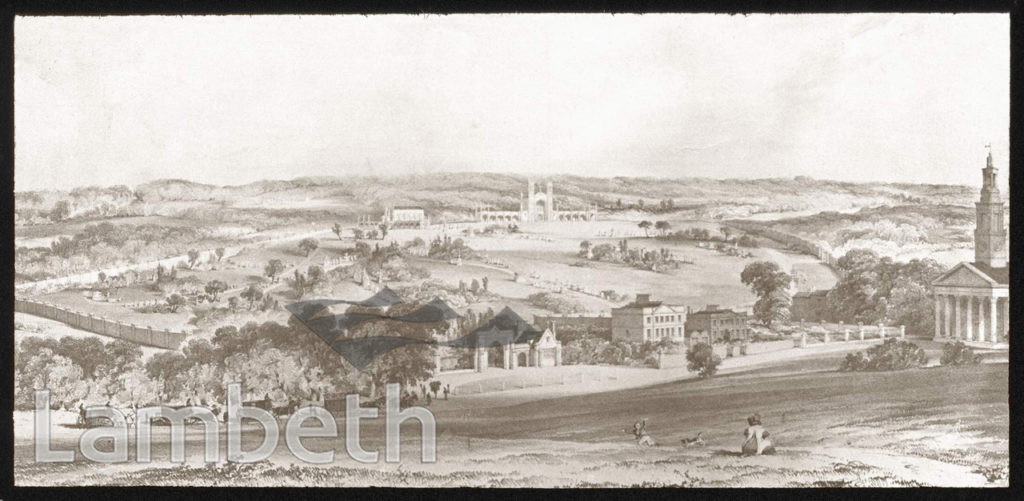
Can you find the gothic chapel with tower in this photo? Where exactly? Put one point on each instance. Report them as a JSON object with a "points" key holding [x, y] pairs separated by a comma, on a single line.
{"points": [[972, 300]]}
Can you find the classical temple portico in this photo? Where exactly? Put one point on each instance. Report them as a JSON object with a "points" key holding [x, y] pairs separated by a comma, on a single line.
{"points": [[972, 300], [972, 314]]}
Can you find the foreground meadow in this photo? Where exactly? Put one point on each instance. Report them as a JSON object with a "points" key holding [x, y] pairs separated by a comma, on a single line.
{"points": [[934, 427]]}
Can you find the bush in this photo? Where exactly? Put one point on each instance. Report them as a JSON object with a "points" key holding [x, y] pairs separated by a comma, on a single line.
{"points": [[893, 355], [701, 358], [958, 353]]}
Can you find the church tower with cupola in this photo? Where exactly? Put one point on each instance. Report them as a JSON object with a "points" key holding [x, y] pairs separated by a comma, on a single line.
{"points": [[990, 233]]}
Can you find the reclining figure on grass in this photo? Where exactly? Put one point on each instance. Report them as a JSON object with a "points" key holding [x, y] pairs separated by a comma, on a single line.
{"points": [[755, 438]]}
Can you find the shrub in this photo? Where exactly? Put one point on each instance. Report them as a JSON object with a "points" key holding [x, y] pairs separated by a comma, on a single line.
{"points": [[701, 358], [958, 353], [893, 355]]}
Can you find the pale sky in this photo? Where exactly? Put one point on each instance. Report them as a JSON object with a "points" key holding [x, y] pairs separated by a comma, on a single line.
{"points": [[235, 99]]}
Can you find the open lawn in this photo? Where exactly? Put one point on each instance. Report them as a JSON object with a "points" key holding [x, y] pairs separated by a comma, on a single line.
{"points": [[937, 426]]}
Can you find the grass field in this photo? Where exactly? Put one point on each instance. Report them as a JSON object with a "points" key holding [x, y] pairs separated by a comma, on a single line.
{"points": [[937, 426]]}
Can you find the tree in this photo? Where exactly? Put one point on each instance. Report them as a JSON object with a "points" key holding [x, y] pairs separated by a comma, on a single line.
{"points": [[299, 284], [484, 281], [63, 247], [308, 245], [314, 275], [102, 277], [771, 285], [585, 248], [193, 257], [383, 230], [215, 287], [337, 230], [273, 267], [357, 233], [372, 234], [644, 225], [160, 273], [233, 303], [168, 367], [175, 301], [726, 232], [87, 353], [662, 226], [363, 249], [701, 358], [474, 286], [220, 253], [252, 294], [60, 211], [877, 289], [47, 370]]}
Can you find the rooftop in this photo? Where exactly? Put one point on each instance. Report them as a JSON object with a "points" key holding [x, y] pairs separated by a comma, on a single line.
{"points": [[1000, 275]]}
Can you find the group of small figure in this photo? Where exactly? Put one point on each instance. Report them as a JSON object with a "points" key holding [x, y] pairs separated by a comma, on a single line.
{"points": [[755, 437], [426, 394]]}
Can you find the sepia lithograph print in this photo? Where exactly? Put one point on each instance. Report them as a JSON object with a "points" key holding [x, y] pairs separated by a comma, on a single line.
{"points": [[512, 251]]}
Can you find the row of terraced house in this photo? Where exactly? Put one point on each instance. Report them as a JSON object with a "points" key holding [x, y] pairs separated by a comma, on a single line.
{"points": [[646, 320]]}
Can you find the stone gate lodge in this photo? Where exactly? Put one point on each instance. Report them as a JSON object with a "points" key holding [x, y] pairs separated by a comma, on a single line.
{"points": [[972, 299]]}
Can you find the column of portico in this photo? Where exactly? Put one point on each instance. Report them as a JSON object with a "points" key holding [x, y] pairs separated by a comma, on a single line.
{"points": [[956, 318], [994, 309], [982, 324], [1006, 318], [969, 325], [938, 320], [947, 313]]}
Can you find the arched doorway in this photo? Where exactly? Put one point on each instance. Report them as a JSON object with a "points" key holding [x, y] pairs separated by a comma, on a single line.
{"points": [[523, 359], [540, 210]]}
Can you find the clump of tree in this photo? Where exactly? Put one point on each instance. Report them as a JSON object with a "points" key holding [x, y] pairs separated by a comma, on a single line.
{"points": [[771, 285], [176, 301], [193, 258], [645, 225], [701, 358], [77, 369], [645, 259], [273, 268], [554, 303], [308, 245], [746, 241], [588, 349], [61, 210], [448, 248], [215, 287], [959, 353], [252, 294], [892, 355], [873, 289]]}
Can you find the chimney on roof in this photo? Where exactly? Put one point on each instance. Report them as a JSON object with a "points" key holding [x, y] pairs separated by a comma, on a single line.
{"points": [[643, 298]]}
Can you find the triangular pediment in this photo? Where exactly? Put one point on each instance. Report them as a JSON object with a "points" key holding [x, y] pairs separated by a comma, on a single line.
{"points": [[964, 275]]}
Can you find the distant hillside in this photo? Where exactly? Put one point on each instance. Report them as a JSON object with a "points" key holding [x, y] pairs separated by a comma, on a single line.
{"points": [[460, 193]]}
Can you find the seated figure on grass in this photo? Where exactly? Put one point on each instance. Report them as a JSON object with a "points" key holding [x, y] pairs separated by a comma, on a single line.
{"points": [[755, 437]]}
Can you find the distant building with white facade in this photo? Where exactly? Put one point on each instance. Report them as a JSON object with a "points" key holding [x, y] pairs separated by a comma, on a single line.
{"points": [[645, 320], [405, 217]]}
